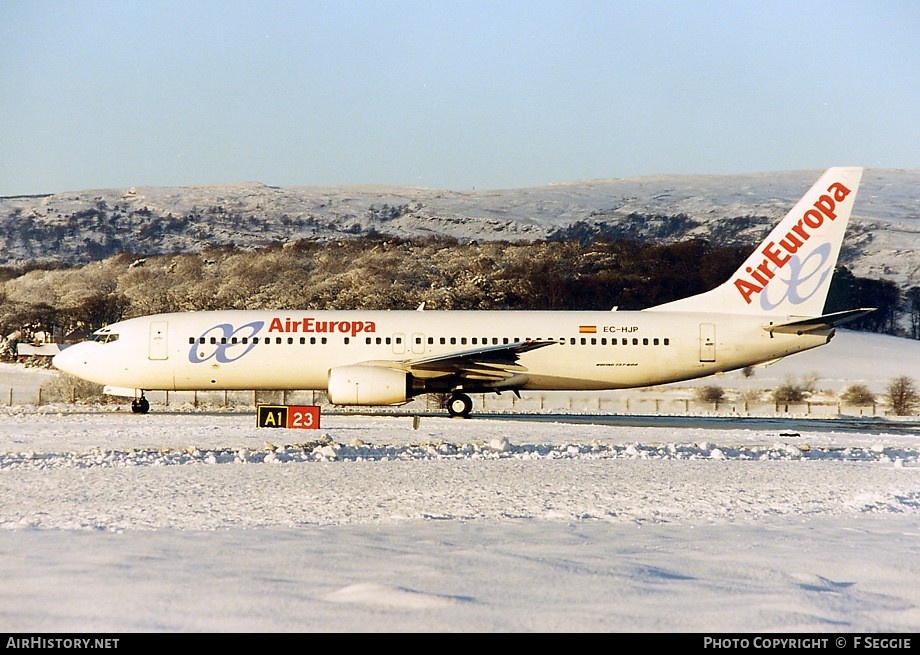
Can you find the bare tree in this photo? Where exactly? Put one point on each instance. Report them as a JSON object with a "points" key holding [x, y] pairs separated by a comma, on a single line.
{"points": [[710, 394], [903, 396], [913, 302], [858, 395]]}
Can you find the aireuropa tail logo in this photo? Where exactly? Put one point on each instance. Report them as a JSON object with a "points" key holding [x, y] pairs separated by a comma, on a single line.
{"points": [[224, 343], [807, 276], [777, 256]]}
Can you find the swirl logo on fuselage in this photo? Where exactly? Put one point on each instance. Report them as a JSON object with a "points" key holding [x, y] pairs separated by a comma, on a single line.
{"points": [[224, 343], [806, 278]]}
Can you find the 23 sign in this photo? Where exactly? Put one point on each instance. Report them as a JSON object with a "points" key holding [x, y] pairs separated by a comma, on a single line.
{"points": [[301, 417]]}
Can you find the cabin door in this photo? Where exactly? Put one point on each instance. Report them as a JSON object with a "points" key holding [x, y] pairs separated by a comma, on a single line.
{"points": [[158, 345], [707, 342]]}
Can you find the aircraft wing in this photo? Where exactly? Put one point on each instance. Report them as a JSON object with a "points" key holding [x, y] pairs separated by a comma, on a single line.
{"points": [[819, 322], [486, 364]]}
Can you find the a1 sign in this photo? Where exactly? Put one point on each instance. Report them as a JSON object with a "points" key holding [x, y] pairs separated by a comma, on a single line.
{"points": [[304, 417]]}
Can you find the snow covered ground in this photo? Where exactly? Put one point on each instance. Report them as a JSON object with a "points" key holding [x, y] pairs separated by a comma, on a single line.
{"points": [[200, 521]]}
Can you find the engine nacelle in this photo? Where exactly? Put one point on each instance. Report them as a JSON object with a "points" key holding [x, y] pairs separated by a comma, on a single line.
{"points": [[367, 385]]}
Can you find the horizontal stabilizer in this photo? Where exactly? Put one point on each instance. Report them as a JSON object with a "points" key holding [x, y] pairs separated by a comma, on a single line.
{"points": [[825, 322]]}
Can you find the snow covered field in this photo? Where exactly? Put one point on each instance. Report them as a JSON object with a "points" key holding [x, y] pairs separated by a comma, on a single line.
{"points": [[194, 521]]}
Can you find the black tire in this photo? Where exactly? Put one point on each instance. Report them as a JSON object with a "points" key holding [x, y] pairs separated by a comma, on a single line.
{"points": [[140, 405], [460, 405]]}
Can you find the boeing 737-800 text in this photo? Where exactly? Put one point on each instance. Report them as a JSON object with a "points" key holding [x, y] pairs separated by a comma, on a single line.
{"points": [[773, 306]]}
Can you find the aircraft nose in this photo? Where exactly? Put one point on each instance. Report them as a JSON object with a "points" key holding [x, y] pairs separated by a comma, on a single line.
{"points": [[61, 361], [69, 359]]}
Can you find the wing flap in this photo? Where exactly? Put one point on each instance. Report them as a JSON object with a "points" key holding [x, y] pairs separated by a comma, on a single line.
{"points": [[485, 377], [487, 364]]}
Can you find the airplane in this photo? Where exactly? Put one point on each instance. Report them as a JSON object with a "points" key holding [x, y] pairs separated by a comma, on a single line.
{"points": [[771, 307]]}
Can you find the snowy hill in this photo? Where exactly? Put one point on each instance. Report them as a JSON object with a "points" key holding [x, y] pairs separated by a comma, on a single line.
{"points": [[84, 226]]}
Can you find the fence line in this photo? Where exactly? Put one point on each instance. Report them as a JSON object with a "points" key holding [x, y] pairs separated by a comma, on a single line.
{"points": [[582, 402]]}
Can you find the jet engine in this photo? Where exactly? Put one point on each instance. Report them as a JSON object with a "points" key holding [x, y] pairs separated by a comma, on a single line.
{"points": [[367, 385]]}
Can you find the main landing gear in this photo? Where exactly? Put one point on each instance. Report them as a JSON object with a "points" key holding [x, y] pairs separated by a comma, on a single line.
{"points": [[140, 405], [459, 405]]}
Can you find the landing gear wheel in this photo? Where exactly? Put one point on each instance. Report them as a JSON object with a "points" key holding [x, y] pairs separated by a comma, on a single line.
{"points": [[140, 405], [459, 405]]}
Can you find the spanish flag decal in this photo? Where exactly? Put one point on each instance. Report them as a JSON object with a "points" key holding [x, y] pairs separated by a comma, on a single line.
{"points": [[587, 329]]}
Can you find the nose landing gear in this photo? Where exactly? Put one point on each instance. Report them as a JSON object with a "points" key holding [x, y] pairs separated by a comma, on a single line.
{"points": [[140, 405]]}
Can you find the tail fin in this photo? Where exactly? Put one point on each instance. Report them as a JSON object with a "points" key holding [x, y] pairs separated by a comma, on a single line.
{"points": [[790, 273]]}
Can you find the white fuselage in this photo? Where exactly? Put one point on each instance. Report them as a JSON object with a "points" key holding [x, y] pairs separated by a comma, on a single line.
{"points": [[772, 306], [296, 349]]}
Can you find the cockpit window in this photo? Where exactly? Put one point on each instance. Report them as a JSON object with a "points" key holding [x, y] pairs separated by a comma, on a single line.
{"points": [[107, 337]]}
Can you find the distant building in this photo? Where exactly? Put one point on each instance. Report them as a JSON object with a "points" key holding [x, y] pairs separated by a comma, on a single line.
{"points": [[25, 349]]}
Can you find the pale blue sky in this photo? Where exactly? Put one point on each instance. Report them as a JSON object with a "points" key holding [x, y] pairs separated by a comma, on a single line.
{"points": [[454, 95]]}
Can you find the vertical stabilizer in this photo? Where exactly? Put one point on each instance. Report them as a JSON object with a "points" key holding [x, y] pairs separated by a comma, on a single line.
{"points": [[789, 273]]}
